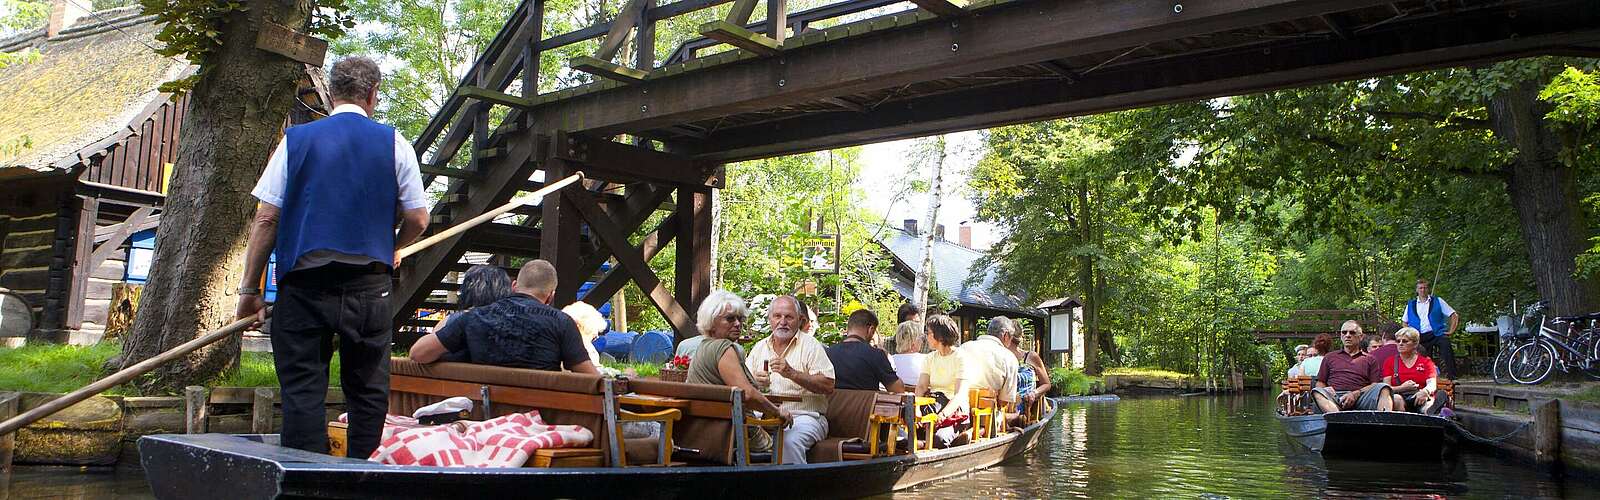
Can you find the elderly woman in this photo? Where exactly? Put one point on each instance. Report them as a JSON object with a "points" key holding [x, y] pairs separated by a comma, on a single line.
{"points": [[480, 286], [590, 323], [1413, 376], [705, 319], [944, 376], [718, 360], [908, 358]]}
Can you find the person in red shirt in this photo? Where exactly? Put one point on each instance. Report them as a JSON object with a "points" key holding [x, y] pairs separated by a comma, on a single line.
{"points": [[1413, 376]]}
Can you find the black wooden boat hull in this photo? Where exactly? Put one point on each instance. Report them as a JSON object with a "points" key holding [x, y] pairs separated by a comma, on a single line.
{"points": [[1388, 435], [1308, 431], [236, 467]]}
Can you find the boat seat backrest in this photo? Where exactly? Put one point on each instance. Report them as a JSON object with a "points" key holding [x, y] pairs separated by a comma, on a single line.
{"points": [[707, 425], [849, 411], [562, 398]]}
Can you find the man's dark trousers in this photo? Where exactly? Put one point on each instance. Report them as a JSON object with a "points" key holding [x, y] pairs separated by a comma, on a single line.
{"points": [[1438, 347], [313, 307]]}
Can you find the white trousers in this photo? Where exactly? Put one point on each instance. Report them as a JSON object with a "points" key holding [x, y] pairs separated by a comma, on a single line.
{"points": [[803, 432]]}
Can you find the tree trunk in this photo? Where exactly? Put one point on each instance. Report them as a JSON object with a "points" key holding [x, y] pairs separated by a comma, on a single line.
{"points": [[1544, 194], [235, 117], [1091, 302], [925, 271]]}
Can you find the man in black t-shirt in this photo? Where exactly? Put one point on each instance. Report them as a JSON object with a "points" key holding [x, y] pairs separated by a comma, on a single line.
{"points": [[856, 364], [519, 331]]}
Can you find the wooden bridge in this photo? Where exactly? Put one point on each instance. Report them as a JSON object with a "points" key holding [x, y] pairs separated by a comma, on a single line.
{"points": [[863, 71]]}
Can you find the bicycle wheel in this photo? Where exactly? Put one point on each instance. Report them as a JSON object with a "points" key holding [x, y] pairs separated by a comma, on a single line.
{"points": [[1501, 370], [1589, 346], [1531, 363]]}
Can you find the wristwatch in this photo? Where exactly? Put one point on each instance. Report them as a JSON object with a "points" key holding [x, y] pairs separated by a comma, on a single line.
{"points": [[249, 290]]}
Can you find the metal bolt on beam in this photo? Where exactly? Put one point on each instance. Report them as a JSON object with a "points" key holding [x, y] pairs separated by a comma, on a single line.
{"points": [[1177, 8], [955, 47]]}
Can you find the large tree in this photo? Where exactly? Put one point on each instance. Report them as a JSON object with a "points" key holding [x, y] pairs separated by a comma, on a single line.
{"points": [[1334, 150], [238, 103]]}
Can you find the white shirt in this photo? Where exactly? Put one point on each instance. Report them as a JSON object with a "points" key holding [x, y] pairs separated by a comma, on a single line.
{"points": [[274, 180], [806, 355], [908, 367], [1424, 306], [990, 365]]}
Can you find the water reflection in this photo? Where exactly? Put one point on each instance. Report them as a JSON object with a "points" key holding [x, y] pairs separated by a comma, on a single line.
{"points": [[1225, 447], [73, 483]]}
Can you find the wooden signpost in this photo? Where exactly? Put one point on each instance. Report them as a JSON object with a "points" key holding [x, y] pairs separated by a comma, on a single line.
{"points": [[277, 39]]}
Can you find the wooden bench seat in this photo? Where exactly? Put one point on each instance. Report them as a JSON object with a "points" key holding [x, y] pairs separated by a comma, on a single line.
{"points": [[562, 398]]}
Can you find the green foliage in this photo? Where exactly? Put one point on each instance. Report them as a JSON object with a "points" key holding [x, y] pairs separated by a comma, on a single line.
{"points": [[643, 370], [64, 368], [1148, 372], [769, 215], [21, 15], [54, 368], [1069, 382]]}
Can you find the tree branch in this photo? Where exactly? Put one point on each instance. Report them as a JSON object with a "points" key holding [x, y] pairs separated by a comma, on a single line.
{"points": [[1450, 122]]}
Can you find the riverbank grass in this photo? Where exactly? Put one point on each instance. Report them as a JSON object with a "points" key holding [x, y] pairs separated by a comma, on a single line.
{"points": [[1147, 372], [65, 368], [1590, 395]]}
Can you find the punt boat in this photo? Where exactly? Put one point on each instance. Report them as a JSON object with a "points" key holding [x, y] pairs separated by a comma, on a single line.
{"points": [[239, 466], [1380, 435]]}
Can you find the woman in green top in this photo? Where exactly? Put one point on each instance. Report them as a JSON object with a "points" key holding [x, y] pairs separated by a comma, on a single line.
{"points": [[718, 360]]}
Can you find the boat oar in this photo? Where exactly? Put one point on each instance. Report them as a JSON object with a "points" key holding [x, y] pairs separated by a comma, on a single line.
{"points": [[142, 367]]}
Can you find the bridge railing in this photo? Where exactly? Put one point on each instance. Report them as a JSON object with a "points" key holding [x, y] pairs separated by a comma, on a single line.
{"points": [[513, 54]]}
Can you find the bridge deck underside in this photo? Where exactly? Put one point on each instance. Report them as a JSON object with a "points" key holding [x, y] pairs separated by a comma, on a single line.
{"points": [[1027, 60]]}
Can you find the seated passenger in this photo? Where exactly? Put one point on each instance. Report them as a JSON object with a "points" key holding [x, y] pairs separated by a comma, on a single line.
{"points": [[909, 358], [1320, 346], [1413, 376], [790, 363], [481, 285], [994, 367], [717, 359], [856, 364], [1299, 357], [1385, 349], [1349, 380], [707, 318], [945, 378], [1033, 379], [589, 323], [518, 331]]}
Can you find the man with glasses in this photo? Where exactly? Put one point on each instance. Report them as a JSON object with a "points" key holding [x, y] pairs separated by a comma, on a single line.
{"points": [[1349, 379], [1432, 316]]}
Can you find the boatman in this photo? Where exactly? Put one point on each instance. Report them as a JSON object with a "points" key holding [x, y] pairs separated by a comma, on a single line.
{"points": [[331, 196], [1434, 317]]}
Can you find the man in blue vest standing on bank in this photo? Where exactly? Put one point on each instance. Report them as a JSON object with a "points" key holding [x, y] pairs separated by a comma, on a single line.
{"points": [[1432, 316], [331, 196]]}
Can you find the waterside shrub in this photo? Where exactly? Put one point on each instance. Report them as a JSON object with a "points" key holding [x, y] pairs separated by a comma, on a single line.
{"points": [[1069, 382]]}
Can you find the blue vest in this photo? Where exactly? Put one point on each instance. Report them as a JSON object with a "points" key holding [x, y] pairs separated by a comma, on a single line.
{"points": [[1436, 317], [341, 192]]}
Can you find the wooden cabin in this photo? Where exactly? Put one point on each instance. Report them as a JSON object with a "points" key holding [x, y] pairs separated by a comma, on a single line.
{"points": [[87, 145], [960, 275]]}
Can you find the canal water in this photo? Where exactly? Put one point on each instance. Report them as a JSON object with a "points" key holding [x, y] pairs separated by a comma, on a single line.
{"points": [[1224, 447], [1161, 447]]}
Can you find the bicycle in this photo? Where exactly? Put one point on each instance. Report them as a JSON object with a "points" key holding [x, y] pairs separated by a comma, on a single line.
{"points": [[1511, 337], [1549, 348]]}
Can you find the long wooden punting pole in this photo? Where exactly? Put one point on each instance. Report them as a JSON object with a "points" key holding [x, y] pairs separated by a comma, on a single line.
{"points": [[129, 373]]}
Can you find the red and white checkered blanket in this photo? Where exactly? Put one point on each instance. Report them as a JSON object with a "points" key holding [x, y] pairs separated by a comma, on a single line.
{"points": [[505, 441]]}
